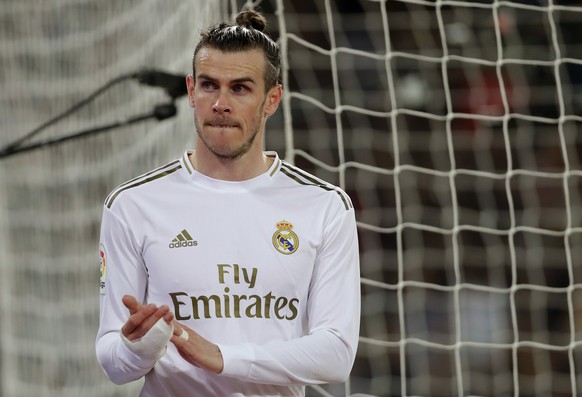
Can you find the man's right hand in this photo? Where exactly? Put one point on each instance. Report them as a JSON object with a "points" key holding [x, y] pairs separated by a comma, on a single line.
{"points": [[143, 317]]}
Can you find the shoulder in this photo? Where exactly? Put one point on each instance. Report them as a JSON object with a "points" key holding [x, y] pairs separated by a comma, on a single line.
{"points": [[311, 183], [150, 179]]}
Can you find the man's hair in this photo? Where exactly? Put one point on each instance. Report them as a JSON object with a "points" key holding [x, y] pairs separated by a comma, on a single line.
{"points": [[247, 33]]}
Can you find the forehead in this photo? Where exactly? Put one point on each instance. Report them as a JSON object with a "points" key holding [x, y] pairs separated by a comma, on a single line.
{"points": [[230, 65]]}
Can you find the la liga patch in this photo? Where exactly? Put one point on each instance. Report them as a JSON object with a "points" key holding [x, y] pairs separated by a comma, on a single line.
{"points": [[102, 269]]}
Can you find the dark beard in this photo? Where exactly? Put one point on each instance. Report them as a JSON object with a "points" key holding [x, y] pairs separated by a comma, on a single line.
{"points": [[232, 154]]}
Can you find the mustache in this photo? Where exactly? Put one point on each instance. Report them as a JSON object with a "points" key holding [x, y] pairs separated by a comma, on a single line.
{"points": [[221, 121]]}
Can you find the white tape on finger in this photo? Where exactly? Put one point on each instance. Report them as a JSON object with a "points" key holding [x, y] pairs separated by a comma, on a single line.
{"points": [[152, 345], [184, 335]]}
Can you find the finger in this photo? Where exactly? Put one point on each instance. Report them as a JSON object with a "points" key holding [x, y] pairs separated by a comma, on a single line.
{"points": [[132, 304], [181, 334], [141, 321], [169, 317], [162, 312], [178, 327]]}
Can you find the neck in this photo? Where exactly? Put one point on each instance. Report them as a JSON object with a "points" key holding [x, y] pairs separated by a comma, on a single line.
{"points": [[248, 166]]}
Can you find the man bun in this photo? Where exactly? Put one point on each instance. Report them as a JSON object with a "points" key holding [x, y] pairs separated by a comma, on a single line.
{"points": [[247, 32], [251, 19]]}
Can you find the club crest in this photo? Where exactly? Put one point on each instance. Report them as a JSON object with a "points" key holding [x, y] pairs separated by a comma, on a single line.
{"points": [[285, 240]]}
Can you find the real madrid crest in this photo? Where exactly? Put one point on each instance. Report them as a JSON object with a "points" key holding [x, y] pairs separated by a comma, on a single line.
{"points": [[285, 240]]}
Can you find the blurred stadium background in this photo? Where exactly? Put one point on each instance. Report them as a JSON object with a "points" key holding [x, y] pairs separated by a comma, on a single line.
{"points": [[455, 126]]}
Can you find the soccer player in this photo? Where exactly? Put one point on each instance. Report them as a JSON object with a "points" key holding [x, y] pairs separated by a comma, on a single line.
{"points": [[229, 272]]}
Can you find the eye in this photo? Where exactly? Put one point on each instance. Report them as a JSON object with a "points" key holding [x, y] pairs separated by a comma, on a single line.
{"points": [[207, 85], [239, 88]]}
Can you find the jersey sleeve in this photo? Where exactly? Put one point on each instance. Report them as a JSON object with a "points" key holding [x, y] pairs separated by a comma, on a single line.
{"points": [[326, 354], [122, 273]]}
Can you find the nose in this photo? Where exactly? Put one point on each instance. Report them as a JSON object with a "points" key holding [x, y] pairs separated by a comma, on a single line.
{"points": [[221, 105]]}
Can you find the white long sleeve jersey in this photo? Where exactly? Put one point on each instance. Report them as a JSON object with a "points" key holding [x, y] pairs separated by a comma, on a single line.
{"points": [[266, 268]]}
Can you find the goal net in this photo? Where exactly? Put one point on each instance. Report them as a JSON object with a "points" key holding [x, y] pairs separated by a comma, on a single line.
{"points": [[453, 125], [53, 54]]}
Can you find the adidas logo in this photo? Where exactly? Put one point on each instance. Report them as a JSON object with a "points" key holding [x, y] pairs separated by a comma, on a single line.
{"points": [[183, 240]]}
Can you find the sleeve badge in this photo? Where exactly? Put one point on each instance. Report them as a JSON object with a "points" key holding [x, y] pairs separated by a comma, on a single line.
{"points": [[102, 269]]}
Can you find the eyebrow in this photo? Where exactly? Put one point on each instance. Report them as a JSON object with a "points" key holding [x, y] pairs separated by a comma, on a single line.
{"points": [[235, 81]]}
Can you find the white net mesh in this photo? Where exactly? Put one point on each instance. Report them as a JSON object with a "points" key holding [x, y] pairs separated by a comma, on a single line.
{"points": [[454, 125], [52, 55]]}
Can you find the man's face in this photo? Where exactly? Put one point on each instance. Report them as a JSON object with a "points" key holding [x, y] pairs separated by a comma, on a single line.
{"points": [[228, 94]]}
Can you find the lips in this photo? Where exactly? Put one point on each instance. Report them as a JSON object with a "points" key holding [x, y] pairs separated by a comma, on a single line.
{"points": [[221, 124]]}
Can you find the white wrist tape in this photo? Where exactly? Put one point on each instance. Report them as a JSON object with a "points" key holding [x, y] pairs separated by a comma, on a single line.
{"points": [[152, 345]]}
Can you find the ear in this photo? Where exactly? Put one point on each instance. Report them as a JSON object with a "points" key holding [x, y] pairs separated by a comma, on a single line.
{"points": [[191, 85], [273, 99]]}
